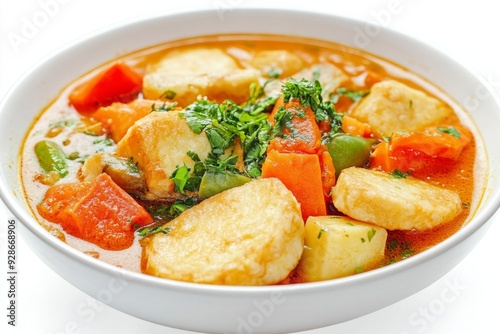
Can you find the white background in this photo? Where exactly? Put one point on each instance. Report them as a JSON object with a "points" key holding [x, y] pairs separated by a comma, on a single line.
{"points": [[463, 301]]}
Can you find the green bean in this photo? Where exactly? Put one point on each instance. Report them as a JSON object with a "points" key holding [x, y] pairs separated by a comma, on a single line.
{"points": [[51, 157]]}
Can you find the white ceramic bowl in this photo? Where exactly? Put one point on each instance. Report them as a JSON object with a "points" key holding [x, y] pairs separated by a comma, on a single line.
{"points": [[227, 309]]}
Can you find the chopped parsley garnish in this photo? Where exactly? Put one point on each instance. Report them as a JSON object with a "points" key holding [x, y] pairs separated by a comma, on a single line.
{"points": [[450, 130], [403, 250], [308, 93], [321, 232], [163, 107], [167, 212], [225, 122], [400, 174], [153, 230], [168, 94], [371, 234], [354, 95], [180, 177]]}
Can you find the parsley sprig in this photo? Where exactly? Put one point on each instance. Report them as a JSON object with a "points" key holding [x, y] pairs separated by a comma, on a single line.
{"points": [[309, 95], [225, 122]]}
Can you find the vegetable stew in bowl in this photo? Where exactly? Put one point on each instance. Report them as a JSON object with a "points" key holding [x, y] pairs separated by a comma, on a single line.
{"points": [[251, 160]]}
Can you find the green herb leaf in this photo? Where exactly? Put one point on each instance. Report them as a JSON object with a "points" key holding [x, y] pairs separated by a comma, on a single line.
{"points": [[371, 234], [180, 177], [168, 94], [355, 95], [450, 130], [399, 174], [163, 107], [308, 93], [153, 230]]}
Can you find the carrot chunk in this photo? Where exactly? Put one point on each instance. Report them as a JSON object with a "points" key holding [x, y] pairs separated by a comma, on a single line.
{"points": [[118, 83], [354, 127], [302, 175], [99, 212], [299, 132], [327, 172]]}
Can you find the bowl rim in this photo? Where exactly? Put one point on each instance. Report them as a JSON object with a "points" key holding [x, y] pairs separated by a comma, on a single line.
{"points": [[480, 218]]}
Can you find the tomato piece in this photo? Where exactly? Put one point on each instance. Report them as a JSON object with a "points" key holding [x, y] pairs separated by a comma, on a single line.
{"points": [[432, 150], [433, 141], [99, 212], [118, 83]]}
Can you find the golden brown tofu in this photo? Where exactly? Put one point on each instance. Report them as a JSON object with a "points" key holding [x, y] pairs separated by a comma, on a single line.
{"points": [[393, 203], [393, 106], [277, 60], [159, 143], [185, 75], [328, 75], [248, 235]]}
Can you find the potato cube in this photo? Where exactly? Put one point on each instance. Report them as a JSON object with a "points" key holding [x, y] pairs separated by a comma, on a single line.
{"points": [[339, 246]]}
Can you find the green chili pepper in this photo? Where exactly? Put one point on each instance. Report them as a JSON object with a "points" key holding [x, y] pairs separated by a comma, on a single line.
{"points": [[348, 151], [214, 183], [51, 157]]}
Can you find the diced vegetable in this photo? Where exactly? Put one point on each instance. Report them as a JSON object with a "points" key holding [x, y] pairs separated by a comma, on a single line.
{"points": [[214, 183], [348, 150], [51, 157], [118, 117], [444, 142], [118, 83], [99, 212], [339, 246], [123, 172], [298, 130], [301, 174], [354, 127], [327, 173], [429, 150]]}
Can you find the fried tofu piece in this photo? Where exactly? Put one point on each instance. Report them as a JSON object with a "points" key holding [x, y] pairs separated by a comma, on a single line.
{"points": [[249, 235], [393, 106], [393, 203], [126, 175], [184, 75], [329, 76], [277, 60], [159, 143], [118, 117]]}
